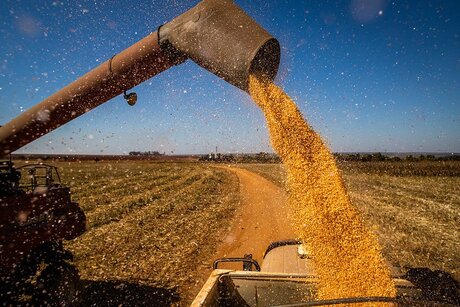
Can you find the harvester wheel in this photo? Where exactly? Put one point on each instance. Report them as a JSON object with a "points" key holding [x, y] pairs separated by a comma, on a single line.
{"points": [[57, 285]]}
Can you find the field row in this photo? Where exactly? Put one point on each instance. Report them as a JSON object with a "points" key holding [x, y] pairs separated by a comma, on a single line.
{"points": [[151, 223]]}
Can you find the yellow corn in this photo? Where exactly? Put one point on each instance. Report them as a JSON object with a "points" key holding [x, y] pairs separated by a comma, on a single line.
{"points": [[347, 254]]}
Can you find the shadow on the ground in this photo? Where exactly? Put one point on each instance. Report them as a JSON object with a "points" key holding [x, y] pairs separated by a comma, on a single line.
{"points": [[435, 285], [116, 293]]}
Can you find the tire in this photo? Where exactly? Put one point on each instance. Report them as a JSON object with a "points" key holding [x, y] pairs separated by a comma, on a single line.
{"points": [[57, 285]]}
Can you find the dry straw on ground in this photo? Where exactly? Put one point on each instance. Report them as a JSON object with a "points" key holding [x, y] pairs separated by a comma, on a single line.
{"points": [[151, 224]]}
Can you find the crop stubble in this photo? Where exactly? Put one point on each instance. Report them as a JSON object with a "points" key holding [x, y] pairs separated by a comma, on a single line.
{"points": [[415, 217], [150, 223]]}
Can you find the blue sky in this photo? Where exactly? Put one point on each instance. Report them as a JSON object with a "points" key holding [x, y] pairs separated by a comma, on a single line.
{"points": [[368, 76]]}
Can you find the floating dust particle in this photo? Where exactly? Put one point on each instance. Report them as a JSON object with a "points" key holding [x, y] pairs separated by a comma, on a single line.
{"points": [[347, 254]]}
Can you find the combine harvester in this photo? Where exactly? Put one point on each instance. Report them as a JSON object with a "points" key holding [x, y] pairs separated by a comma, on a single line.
{"points": [[221, 38]]}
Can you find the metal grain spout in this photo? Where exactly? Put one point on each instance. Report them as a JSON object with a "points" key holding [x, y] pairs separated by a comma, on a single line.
{"points": [[222, 38]]}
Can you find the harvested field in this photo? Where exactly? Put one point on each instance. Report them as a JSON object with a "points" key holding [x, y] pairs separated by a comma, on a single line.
{"points": [[413, 206], [149, 224], [151, 228]]}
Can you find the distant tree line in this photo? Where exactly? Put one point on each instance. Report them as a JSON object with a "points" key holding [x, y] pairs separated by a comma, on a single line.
{"points": [[261, 157], [368, 157], [145, 153], [264, 157]]}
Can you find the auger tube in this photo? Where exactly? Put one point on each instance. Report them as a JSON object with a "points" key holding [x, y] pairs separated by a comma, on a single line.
{"points": [[216, 34]]}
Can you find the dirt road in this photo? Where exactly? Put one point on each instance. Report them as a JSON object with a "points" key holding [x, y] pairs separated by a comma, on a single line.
{"points": [[261, 219]]}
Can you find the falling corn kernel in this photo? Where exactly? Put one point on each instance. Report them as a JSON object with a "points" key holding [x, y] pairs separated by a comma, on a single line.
{"points": [[347, 254]]}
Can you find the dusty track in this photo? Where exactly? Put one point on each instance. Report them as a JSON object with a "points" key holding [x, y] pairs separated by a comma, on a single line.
{"points": [[261, 219]]}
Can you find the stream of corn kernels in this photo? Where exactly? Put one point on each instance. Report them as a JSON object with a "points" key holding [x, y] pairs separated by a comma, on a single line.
{"points": [[346, 253]]}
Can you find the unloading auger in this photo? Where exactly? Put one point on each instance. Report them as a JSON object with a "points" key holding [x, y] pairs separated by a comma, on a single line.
{"points": [[216, 34]]}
